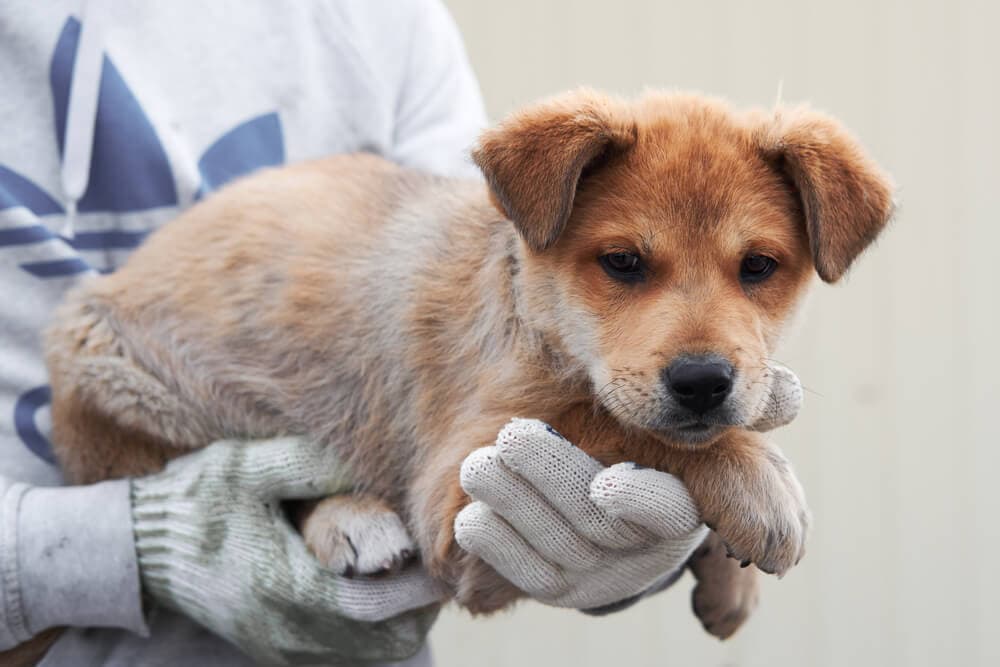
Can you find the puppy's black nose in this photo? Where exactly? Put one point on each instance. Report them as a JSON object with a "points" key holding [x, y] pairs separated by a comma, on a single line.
{"points": [[700, 383]]}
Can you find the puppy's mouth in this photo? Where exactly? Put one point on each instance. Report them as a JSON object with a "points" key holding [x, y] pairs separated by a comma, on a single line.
{"points": [[695, 432], [693, 429], [696, 427]]}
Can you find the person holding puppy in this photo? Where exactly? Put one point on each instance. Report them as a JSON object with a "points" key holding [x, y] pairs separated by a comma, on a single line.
{"points": [[116, 121]]}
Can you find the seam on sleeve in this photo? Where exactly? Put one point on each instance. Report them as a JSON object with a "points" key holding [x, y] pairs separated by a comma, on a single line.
{"points": [[9, 568]]}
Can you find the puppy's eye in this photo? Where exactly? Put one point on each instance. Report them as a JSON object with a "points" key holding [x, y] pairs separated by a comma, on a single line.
{"points": [[624, 266], [757, 268]]}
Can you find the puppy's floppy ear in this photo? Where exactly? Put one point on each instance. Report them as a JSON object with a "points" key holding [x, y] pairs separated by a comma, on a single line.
{"points": [[847, 200], [533, 160]]}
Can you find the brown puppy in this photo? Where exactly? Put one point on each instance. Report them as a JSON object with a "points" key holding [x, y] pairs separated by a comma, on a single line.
{"points": [[625, 277]]}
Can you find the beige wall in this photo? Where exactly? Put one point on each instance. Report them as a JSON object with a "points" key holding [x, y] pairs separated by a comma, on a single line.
{"points": [[898, 445]]}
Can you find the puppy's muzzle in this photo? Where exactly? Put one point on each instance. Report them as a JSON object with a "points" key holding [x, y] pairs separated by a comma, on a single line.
{"points": [[699, 383]]}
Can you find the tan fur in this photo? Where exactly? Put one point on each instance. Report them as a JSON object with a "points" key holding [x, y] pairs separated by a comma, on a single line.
{"points": [[403, 320], [724, 596]]}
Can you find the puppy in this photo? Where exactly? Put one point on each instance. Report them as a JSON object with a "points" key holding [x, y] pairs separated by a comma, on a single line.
{"points": [[624, 275]]}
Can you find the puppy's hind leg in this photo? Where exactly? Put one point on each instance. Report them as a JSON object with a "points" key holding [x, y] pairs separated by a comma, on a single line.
{"points": [[110, 417], [726, 594]]}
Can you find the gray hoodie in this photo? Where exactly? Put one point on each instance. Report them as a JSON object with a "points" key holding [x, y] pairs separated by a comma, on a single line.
{"points": [[115, 117]]}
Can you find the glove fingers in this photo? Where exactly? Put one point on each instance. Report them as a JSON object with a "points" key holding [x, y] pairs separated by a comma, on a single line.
{"points": [[633, 574], [655, 500], [373, 600], [482, 532], [486, 478], [290, 468], [782, 404], [562, 473]]}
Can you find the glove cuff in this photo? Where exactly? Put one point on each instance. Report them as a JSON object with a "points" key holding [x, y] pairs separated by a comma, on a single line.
{"points": [[173, 554]]}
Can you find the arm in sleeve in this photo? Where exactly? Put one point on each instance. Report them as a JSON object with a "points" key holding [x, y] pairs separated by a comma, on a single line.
{"points": [[67, 558], [440, 111]]}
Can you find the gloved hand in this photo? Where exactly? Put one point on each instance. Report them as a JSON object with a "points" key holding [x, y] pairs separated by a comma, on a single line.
{"points": [[571, 533], [566, 530], [214, 544]]}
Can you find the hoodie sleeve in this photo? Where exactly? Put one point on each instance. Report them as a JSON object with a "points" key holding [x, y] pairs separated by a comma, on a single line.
{"points": [[439, 111], [67, 558]]}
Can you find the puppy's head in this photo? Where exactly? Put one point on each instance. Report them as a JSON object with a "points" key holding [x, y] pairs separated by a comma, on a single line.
{"points": [[666, 243]]}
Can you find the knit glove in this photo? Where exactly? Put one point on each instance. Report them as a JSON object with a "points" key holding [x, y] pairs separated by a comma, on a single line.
{"points": [[214, 543], [570, 532], [783, 403]]}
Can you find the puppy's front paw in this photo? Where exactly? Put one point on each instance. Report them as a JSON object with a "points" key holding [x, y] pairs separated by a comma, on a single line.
{"points": [[357, 535], [756, 504], [726, 594]]}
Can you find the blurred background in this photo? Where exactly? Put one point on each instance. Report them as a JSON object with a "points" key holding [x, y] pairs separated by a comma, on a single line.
{"points": [[898, 445]]}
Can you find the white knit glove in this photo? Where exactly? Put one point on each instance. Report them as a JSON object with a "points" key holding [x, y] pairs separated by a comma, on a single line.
{"points": [[566, 530], [214, 543], [782, 405], [571, 533]]}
